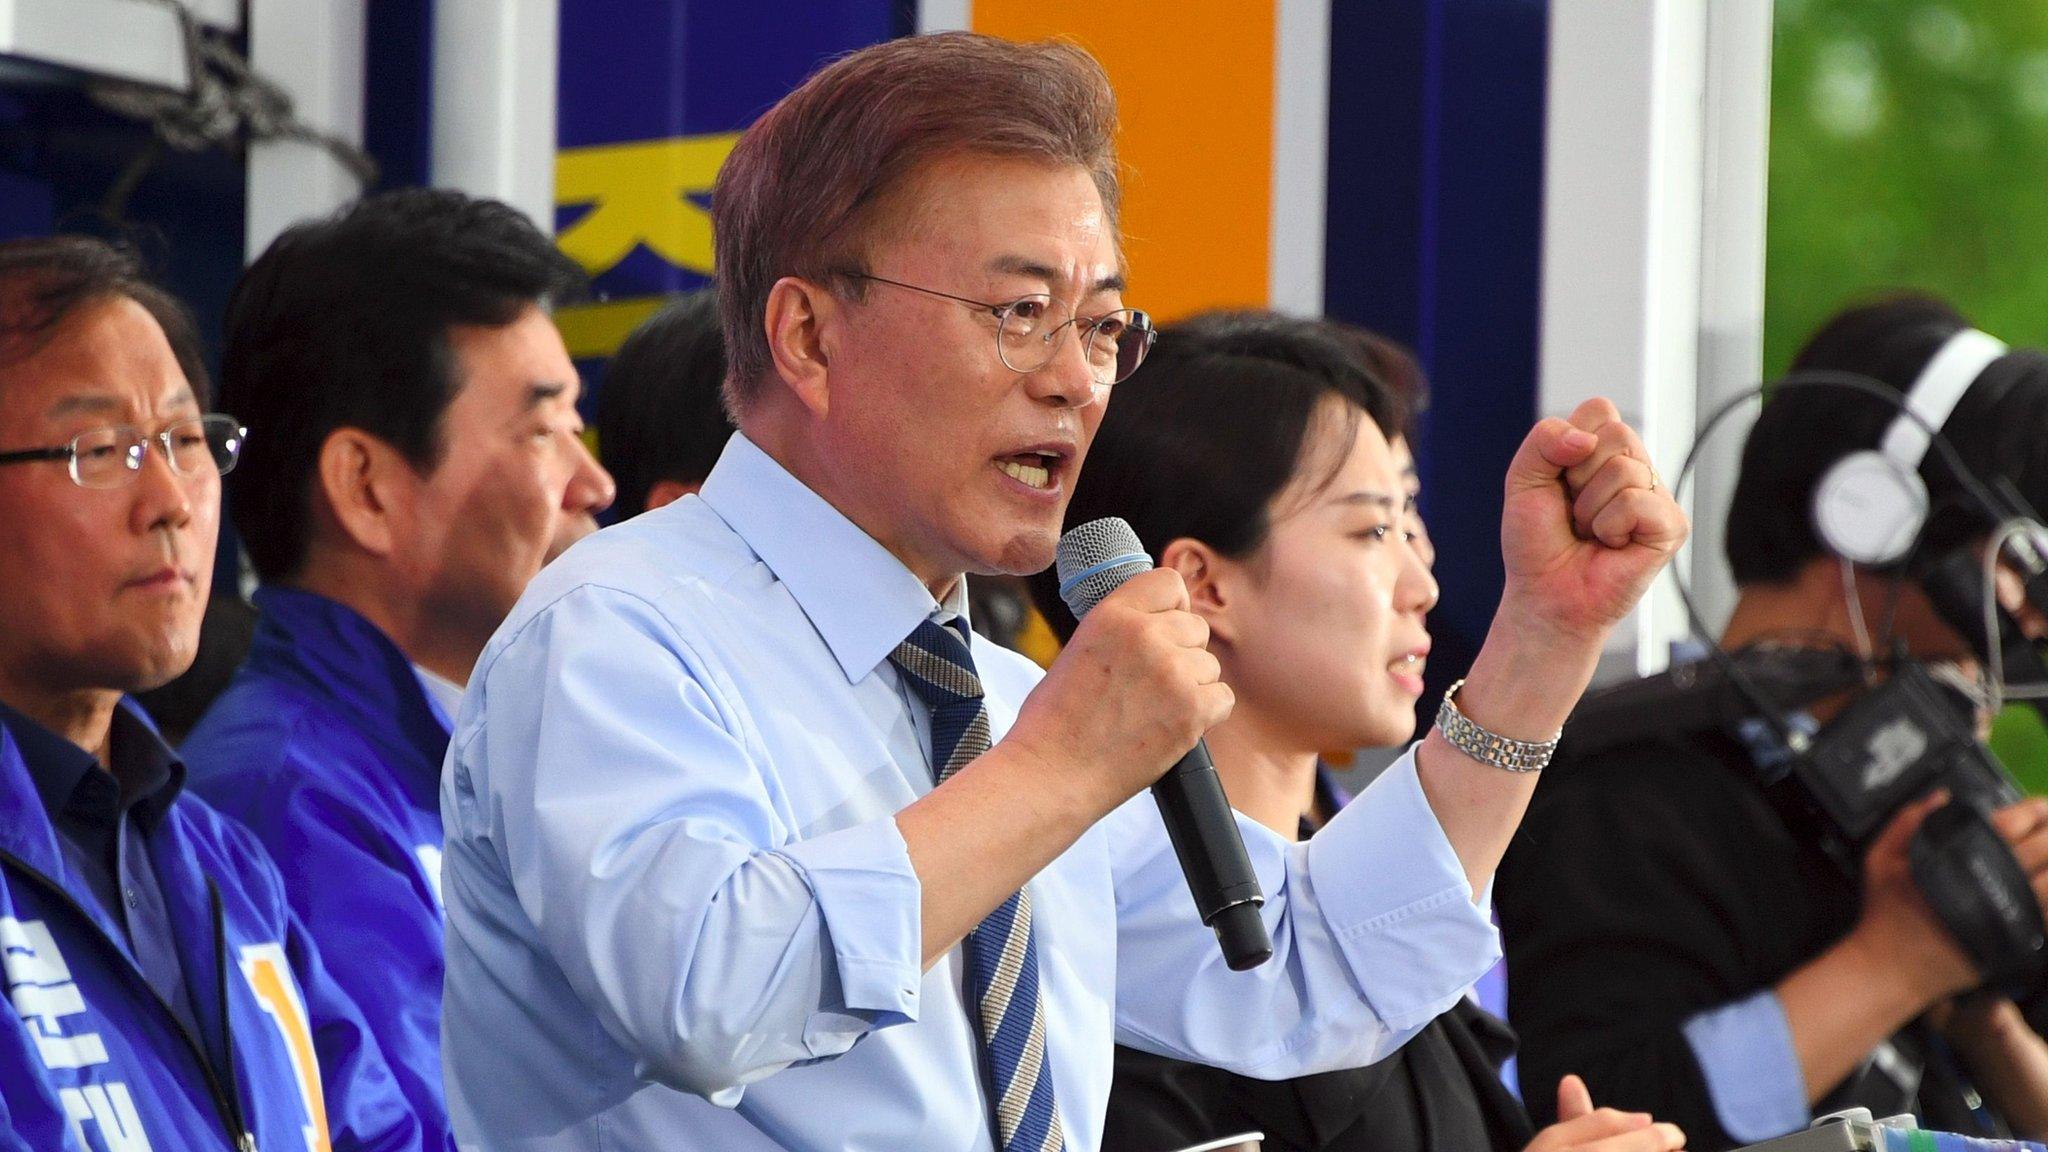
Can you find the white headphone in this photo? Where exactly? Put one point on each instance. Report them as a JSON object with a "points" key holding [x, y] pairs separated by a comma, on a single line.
{"points": [[1870, 505]]}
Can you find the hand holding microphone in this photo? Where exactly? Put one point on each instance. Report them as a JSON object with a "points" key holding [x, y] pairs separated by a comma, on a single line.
{"points": [[1123, 604], [1134, 688]]}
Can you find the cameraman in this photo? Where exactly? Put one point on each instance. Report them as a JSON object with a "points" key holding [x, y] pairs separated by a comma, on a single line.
{"points": [[1679, 935]]}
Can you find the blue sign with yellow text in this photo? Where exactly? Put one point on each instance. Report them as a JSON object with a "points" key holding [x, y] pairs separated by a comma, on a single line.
{"points": [[653, 93]]}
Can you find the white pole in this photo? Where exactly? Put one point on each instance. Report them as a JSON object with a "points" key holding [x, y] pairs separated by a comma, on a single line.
{"points": [[1738, 129], [1621, 241], [1301, 149], [495, 68], [945, 16], [315, 53]]}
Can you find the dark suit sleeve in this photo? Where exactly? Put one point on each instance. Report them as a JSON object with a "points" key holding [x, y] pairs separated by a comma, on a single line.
{"points": [[1645, 887]]}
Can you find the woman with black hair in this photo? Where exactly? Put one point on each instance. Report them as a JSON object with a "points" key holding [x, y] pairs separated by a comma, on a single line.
{"points": [[1251, 452]]}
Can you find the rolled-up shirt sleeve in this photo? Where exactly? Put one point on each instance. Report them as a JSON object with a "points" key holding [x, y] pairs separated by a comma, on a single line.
{"points": [[1375, 933], [643, 840], [1745, 1053]]}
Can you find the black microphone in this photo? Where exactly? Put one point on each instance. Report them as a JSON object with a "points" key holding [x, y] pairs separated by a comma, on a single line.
{"points": [[1094, 559]]}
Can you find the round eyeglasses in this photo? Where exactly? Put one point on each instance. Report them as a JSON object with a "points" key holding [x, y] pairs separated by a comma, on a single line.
{"points": [[113, 456], [1028, 334]]}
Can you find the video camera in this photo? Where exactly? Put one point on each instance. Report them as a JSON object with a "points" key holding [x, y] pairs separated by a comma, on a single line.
{"points": [[1898, 742], [1907, 732], [1902, 737]]}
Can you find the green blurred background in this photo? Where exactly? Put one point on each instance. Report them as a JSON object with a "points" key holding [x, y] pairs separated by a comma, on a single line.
{"points": [[1909, 149]]}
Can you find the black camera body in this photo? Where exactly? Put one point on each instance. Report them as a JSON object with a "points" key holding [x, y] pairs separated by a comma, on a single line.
{"points": [[1896, 743]]}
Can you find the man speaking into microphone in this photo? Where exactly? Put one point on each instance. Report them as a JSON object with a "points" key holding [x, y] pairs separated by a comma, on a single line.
{"points": [[753, 845]]}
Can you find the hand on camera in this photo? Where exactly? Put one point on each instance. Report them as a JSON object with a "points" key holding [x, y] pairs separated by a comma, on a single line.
{"points": [[1899, 932], [2025, 828]]}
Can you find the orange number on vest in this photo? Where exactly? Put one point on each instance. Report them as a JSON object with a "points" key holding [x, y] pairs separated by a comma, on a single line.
{"points": [[269, 976]]}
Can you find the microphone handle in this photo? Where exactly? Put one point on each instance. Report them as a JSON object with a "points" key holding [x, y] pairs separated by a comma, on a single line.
{"points": [[1211, 851]]}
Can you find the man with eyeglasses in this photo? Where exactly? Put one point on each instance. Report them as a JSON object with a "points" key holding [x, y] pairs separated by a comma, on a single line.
{"points": [[752, 845], [414, 449], [163, 994]]}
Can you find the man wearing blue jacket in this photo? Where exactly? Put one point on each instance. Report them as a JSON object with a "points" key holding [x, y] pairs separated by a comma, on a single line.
{"points": [[414, 448], [164, 995]]}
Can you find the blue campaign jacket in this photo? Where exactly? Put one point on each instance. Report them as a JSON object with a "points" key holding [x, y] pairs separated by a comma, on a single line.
{"points": [[326, 746], [91, 1060]]}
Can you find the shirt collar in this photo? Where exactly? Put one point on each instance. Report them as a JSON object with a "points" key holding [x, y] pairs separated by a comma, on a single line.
{"points": [[860, 597], [954, 607], [442, 692], [150, 775]]}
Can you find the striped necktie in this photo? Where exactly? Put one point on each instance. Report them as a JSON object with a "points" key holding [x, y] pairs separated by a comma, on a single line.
{"points": [[1002, 960]]}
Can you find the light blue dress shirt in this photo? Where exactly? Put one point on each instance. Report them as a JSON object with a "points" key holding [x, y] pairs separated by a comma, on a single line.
{"points": [[681, 915]]}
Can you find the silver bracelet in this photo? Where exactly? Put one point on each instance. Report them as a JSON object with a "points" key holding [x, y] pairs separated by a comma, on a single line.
{"points": [[1490, 747]]}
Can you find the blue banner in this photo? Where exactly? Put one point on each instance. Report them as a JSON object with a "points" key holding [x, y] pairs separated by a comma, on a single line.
{"points": [[652, 95]]}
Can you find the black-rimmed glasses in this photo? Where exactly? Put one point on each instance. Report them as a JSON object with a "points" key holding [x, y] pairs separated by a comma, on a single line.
{"points": [[112, 457], [1028, 336]]}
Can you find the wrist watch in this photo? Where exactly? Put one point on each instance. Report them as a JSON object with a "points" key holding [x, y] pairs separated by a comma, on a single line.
{"points": [[1491, 748]]}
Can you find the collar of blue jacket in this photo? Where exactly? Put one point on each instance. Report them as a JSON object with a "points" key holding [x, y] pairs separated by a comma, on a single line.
{"points": [[328, 651], [37, 764]]}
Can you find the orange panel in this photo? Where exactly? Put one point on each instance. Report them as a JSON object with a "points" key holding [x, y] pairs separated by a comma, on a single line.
{"points": [[1194, 84]]}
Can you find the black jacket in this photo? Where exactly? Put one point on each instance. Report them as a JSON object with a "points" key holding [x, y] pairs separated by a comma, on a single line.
{"points": [[1441, 1092]]}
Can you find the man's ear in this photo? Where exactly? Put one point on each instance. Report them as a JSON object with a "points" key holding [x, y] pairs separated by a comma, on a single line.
{"points": [[1210, 578], [361, 481], [799, 315]]}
